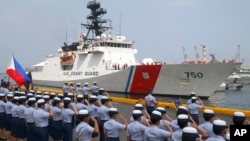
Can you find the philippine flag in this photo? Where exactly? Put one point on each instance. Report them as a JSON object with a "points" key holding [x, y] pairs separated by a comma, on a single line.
{"points": [[16, 72]]}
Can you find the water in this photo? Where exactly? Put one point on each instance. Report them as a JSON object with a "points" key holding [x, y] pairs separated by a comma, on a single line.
{"points": [[229, 99]]}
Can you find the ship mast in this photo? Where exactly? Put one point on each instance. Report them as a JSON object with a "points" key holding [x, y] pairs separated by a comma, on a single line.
{"points": [[95, 23]]}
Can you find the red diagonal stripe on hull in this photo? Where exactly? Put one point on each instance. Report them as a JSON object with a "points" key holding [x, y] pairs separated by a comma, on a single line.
{"points": [[145, 77]]}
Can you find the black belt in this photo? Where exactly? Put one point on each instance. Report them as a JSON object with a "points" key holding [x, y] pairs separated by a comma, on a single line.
{"points": [[30, 122], [113, 137]]}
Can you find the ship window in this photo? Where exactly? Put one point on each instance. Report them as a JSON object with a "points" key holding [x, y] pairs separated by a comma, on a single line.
{"points": [[118, 45], [108, 44]]}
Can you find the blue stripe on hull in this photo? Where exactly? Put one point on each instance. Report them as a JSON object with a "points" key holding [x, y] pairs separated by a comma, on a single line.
{"points": [[129, 78]]}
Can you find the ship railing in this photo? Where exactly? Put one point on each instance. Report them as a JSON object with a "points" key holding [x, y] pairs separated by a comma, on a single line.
{"points": [[34, 69]]}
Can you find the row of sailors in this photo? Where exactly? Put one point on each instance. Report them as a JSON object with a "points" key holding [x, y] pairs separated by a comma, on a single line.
{"points": [[39, 114], [78, 90]]}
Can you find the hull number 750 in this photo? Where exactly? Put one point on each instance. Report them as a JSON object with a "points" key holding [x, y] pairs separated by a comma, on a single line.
{"points": [[194, 74]]}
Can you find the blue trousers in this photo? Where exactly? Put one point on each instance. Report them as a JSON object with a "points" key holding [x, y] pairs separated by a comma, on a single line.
{"points": [[195, 118], [67, 132], [101, 130], [8, 118], [41, 134], [30, 132], [112, 139], [57, 130]]}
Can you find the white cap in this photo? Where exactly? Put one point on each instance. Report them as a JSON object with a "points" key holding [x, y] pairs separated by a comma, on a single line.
{"points": [[1, 94], [45, 92], [101, 88], [239, 114], [60, 94], [38, 92], [160, 108], [83, 112], [208, 111], [41, 101], [104, 97], [32, 99], [52, 94], [138, 105], [10, 95], [10, 92], [219, 122], [189, 130], [78, 84], [80, 96], [16, 97], [113, 109], [182, 116], [93, 96], [23, 93], [156, 113], [67, 99], [38, 95], [94, 82], [30, 94], [22, 97], [193, 97], [56, 98], [182, 107], [137, 112], [70, 94], [46, 97], [86, 83]]}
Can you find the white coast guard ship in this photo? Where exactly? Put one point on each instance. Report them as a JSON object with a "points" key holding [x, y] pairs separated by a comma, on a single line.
{"points": [[110, 61]]}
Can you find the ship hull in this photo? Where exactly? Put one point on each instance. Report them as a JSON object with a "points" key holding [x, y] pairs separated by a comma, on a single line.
{"points": [[170, 79]]}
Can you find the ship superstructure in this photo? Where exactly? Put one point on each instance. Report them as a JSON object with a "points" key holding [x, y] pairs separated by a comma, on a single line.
{"points": [[100, 56]]}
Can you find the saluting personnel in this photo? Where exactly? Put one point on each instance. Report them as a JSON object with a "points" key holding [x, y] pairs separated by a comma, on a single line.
{"points": [[103, 114], [80, 106], [67, 115], [189, 134], [154, 133], [150, 101], [86, 90], [83, 130], [207, 126], [165, 119], [93, 111], [65, 89], [21, 122], [78, 89], [144, 120], [14, 120], [8, 116], [95, 89], [112, 128], [193, 108], [239, 118], [57, 120], [72, 88], [41, 121], [30, 122], [135, 129], [2, 115], [180, 110], [220, 129]]}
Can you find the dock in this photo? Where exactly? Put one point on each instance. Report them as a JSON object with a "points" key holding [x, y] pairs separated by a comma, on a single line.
{"points": [[125, 107]]}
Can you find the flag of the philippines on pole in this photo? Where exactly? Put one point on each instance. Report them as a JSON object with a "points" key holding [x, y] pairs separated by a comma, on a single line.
{"points": [[17, 73]]}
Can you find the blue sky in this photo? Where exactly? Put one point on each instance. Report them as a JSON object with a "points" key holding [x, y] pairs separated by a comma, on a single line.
{"points": [[32, 29]]}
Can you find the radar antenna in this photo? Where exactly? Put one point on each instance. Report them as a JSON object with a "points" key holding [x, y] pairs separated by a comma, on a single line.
{"points": [[95, 21]]}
